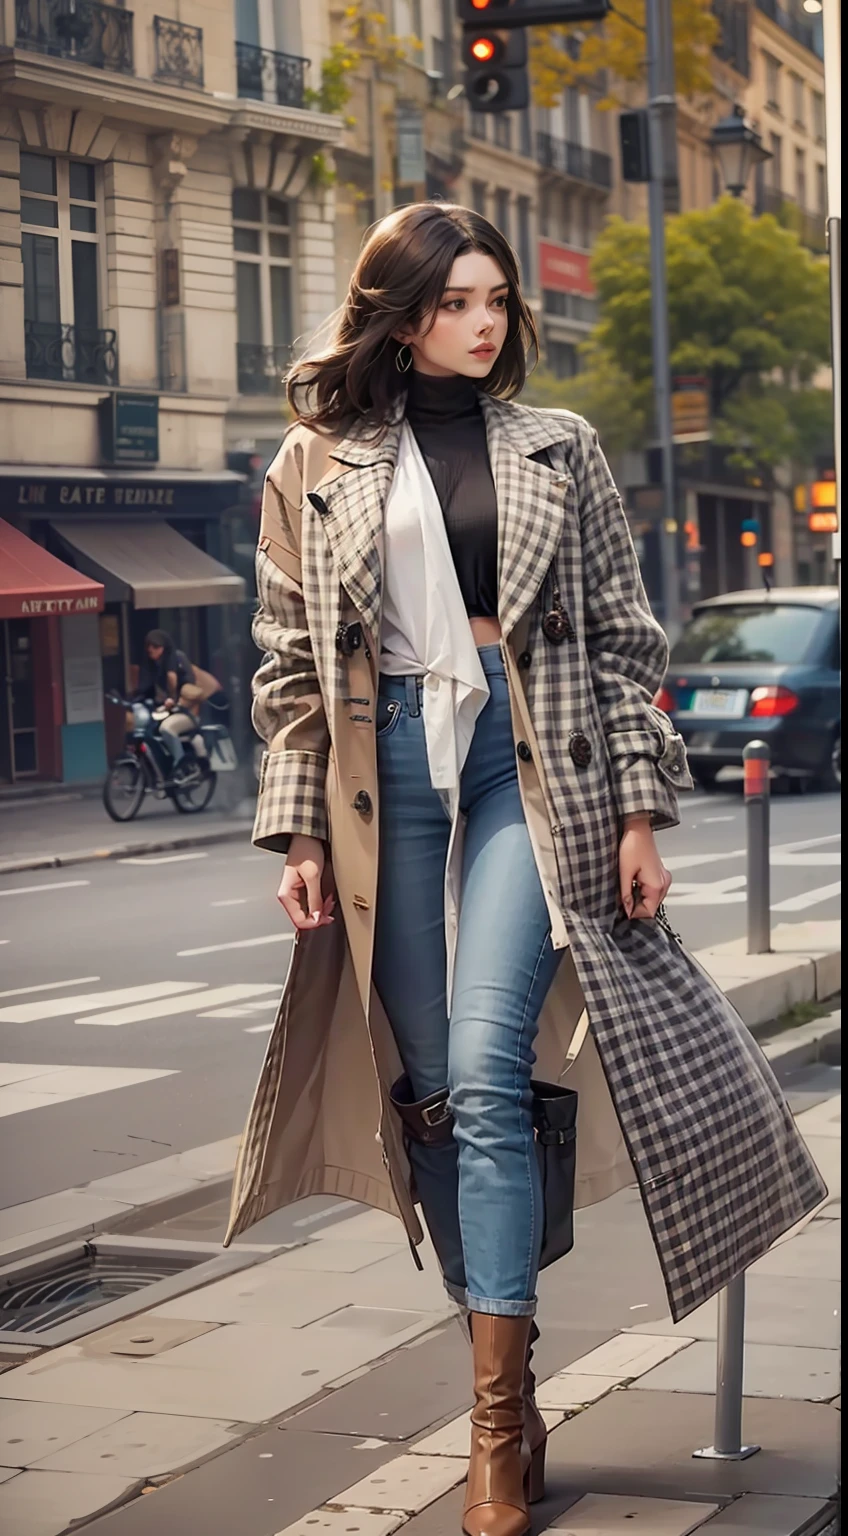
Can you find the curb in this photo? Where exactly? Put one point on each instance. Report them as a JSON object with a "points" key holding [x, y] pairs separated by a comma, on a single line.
{"points": [[125, 850], [203, 1175]]}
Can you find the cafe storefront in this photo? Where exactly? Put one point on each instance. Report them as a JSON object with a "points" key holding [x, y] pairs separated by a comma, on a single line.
{"points": [[159, 547]]}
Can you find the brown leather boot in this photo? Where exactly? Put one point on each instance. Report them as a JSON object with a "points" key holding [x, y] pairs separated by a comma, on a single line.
{"points": [[535, 1428], [495, 1499]]}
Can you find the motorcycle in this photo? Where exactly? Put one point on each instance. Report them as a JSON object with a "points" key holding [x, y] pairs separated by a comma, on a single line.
{"points": [[146, 766]]}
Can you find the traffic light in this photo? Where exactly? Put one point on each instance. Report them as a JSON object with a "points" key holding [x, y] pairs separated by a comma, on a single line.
{"points": [[531, 13], [635, 153], [495, 69]]}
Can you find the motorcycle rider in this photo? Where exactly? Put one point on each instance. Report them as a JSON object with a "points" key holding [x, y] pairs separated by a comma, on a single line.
{"points": [[168, 678]]}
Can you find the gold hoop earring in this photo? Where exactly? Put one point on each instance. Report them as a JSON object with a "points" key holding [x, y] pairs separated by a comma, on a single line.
{"points": [[403, 365]]}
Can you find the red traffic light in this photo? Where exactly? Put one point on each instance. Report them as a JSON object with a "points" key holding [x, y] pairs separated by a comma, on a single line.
{"points": [[483, 49]]}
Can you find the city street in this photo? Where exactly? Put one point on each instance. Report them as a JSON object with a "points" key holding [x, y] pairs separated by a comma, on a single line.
{"points": [[137, 994]]}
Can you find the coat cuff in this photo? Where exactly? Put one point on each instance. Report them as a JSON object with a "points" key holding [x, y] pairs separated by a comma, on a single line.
{"points": [[292, 799], [650, 769]]}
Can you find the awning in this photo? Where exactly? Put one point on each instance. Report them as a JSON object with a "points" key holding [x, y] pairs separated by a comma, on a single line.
{"points": [[34, 583], [150, 565]]}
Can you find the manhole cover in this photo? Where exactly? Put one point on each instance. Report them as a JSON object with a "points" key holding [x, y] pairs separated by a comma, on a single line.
{"points": [[53, 1290], [56, 1296]]}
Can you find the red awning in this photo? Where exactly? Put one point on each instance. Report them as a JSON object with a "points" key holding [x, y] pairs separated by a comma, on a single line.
{"points": [[34, 583]]}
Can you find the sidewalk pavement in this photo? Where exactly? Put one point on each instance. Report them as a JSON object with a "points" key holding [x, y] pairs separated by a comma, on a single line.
{"points": [[326, 1387], [72, 827]]}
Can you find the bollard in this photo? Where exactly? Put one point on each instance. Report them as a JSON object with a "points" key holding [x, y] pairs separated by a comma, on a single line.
{"points": [[756, 759], [730, 1359]]}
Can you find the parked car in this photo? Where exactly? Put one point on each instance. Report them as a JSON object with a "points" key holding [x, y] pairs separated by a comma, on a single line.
{"points": [[760, 665]]}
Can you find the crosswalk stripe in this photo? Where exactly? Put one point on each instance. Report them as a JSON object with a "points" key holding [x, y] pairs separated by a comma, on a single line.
{"points": [[214, 949], [64, 1007], [50, 986], [24, 1087], [165, 858], [53, 885], [808, 898], [163, 1010]]}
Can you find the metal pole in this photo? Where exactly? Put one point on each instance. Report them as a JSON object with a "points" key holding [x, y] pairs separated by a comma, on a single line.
{"points": [[730, 1363], [663, 163], [756, 759], [832, 29]]}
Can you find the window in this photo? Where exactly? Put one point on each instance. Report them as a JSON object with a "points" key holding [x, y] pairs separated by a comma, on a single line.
{"points": [[59, 222], [562, 358], [775, 164], [478, 197], [821, 188], [525, 132], [262, 243], [503, 130], [440, 56], [772, 82], [522, 209], [818, 116], [801, 178], [798, 101], [479, 125], [748, 633], [502, 211]]}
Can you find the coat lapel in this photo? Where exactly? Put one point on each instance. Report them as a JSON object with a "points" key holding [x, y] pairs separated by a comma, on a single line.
{"points": [[350, 500], [531, 502]]}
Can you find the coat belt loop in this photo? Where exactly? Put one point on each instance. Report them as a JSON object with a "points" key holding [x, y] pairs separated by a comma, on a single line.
{"points": [[413, 703]]}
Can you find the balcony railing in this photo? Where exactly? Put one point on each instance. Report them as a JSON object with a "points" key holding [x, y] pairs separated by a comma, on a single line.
{"points": [[261, 368], [70, 354], [179, 52], [575, 160], [263, 75], [98, 35], [809, 227], [804, 32], [733, 43]]}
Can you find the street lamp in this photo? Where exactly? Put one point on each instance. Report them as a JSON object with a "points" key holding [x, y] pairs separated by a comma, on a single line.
{"points": [[737, 147]]}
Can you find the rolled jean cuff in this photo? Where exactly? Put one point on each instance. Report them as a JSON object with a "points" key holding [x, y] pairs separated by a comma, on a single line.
{"points": [[457, 1293], [501, 1308]]}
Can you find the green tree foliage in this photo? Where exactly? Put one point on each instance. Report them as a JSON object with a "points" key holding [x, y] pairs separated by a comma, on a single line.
{"points": [[748, 310]]}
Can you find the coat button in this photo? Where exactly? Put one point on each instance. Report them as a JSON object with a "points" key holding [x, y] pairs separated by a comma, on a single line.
{"points": [[362, 802], [524, 752], [524, 660], [580, 748]]}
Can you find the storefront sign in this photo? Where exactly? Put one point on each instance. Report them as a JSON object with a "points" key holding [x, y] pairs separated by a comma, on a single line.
{"points": [[42, 607], [108, 494], [130, 429], [564, 270]]}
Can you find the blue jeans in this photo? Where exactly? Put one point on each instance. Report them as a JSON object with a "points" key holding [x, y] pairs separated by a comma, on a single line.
{"points": [[481, 1195]]}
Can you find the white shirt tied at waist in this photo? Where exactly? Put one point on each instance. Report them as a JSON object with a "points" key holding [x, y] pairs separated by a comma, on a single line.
{"points": [[426, 633]]}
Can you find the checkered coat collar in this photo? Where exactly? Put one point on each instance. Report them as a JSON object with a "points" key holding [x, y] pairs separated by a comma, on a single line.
{"points": [[531, 505]]}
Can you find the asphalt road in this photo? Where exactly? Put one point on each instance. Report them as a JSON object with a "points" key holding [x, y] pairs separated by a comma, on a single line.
{"points": [[149, 985]]}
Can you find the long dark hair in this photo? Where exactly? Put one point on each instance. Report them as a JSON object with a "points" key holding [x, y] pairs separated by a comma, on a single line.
{"points": [[399, 279]]}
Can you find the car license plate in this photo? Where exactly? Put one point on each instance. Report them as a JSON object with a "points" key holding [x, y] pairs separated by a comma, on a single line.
{"points": [[727, 702]]}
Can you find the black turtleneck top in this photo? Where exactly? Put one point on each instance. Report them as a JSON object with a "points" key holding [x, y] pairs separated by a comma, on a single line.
{"points": [[446, 416]]}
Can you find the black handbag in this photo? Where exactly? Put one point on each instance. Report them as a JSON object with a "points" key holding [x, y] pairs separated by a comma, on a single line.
{"points": [[430, 1122]]}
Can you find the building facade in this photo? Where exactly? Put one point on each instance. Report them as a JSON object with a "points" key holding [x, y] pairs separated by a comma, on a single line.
{"points": [[163, 244]]}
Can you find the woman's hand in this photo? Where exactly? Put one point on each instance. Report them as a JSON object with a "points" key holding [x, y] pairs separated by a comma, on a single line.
{"points": [[640, 865], [301, 886]]}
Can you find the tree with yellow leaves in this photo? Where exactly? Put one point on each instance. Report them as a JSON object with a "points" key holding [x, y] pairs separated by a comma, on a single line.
{"points": [[614, 52]]}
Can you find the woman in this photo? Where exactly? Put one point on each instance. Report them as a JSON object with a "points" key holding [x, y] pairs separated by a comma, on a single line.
{"points": [[456, 700]]}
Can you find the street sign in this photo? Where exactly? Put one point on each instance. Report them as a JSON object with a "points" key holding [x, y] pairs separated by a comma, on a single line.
{"points": [[690, 409], [129, 429]]}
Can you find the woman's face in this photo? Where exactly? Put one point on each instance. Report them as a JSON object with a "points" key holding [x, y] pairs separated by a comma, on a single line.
{"points": [[469, 327]]}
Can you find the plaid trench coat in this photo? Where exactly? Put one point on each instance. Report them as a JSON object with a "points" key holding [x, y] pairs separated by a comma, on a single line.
{"points": [[674, 1092]]}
